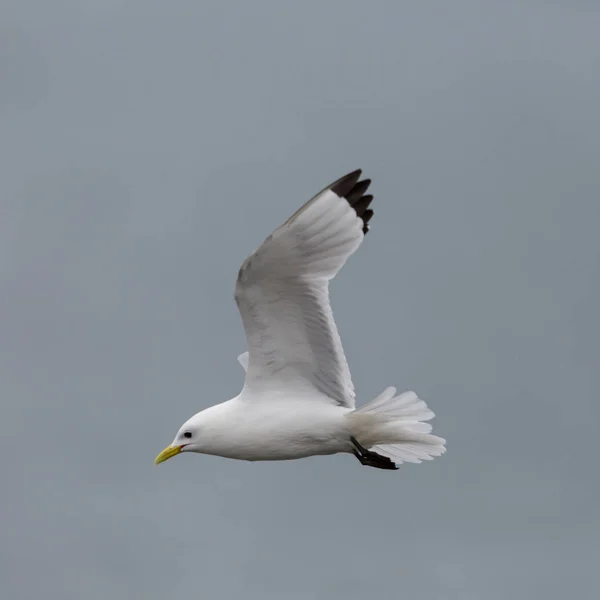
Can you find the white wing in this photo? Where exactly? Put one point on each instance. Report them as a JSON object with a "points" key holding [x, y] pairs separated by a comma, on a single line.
{"points": [[282, 294], [243, 360]]}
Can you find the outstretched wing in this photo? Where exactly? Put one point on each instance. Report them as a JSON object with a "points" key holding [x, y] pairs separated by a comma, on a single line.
{"points": [[282, 293]]}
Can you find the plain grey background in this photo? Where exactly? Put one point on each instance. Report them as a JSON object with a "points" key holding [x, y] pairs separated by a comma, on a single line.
{"points": [[146, 147]]}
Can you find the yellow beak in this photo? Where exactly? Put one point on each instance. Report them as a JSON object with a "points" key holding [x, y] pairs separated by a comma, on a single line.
{"points": [[168, 452]]}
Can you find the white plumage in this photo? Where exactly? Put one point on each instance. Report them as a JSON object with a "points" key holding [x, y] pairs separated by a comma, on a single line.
{"points": [[298, 398]]}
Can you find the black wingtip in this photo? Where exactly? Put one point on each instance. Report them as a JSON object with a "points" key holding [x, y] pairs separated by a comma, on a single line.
{"points": [[344, 185], [353, 190]]}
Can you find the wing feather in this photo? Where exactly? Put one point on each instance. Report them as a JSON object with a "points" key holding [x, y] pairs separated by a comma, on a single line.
{"points": [[282, 293]]}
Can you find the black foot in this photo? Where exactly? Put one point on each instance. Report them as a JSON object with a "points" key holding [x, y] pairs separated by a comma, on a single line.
{"points": [[372, 459]]}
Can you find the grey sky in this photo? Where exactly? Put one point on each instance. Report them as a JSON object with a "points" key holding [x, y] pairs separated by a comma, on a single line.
{"points": [[147, 147]]}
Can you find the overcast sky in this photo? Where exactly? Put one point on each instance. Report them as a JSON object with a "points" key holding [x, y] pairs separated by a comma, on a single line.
{"points": [[146, 147]]}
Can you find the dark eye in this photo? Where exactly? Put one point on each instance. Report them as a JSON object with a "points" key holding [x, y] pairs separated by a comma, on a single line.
{"points": [[187, 434]]}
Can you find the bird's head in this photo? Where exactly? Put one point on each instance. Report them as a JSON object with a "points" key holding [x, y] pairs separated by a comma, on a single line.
{"points": [[187, 440]]}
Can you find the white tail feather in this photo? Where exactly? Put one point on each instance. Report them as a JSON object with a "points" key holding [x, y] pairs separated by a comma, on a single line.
{"points": [[394, 426]]}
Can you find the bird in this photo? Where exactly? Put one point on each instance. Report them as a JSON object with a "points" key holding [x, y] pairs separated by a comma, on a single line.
{"points": [[298, 399]]}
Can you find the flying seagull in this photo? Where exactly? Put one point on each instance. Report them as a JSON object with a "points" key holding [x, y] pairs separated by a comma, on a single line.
{"points": [[298, 398]]}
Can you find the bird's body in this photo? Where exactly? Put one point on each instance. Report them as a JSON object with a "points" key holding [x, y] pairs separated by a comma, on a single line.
{"points": [[274, 428], [298, 396]]}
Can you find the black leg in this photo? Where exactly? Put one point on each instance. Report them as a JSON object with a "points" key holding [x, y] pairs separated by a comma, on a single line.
{"points": [[372, 459]]}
